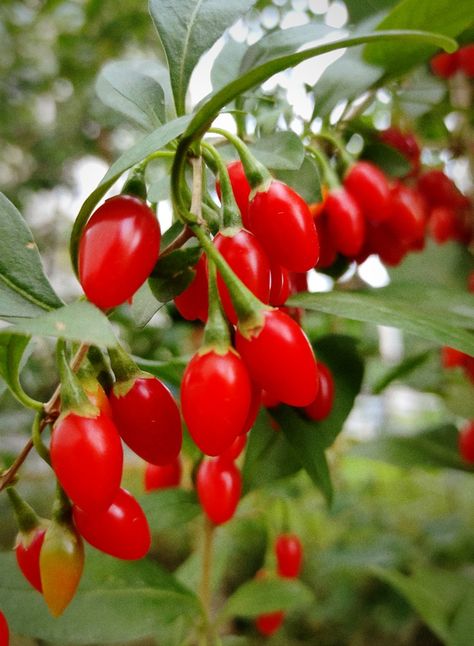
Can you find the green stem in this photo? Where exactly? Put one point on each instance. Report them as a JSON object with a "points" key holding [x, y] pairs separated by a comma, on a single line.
{"points": [[15, 386], [62, 508], [73, 397], [248, 307], [38, 443], [257, 174], [330, 177], [135, 184], [230, 211], [216, 332], [26, 516], [346, 158], [123, 366]]}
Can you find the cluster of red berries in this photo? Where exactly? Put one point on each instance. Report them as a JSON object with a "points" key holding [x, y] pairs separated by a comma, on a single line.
{"points": [[447, 65], [289, 557]]}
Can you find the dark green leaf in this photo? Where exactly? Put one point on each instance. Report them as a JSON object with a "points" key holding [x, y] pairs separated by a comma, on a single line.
{"points": [[432, 448], [280, 150], [401, 370], [375, 307], [462, 626], [144, 305], [12, 351], [308, 446], [440, 16], [268, 456], [227, 64], [187, 30], [261, 596], [151, 143], [422, 591], [121, 601], [24, 288], [139, 97], [79, 321], [171, 371], [164, 289], [359, 11], [422, 92], [169, 508], [176, 261], [344, 80], [391, 161], [306, 181]]}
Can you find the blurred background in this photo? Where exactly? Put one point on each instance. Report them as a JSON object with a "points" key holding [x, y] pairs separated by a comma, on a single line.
{"points": [[399, 504]]}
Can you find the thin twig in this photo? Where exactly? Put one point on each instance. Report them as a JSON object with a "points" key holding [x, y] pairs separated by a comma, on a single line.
{"points": [[50, 409], [178, 242]]}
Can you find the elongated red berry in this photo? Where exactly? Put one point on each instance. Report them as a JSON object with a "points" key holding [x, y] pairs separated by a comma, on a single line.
{"points": [[219, 485], [147, 419], [279, 285], [117, 251], [240, 188], [289, 554], [193, 303], [407, 217], [246, 257], [370, 188], [235, 449], [269, 623], [27, 551], [163, 476], [121, 530], [283, 223], [280, 359], [346, 224], [322, 405], [445, 65], [466, 442], [87, 457], [4, 631], [215, 399]]}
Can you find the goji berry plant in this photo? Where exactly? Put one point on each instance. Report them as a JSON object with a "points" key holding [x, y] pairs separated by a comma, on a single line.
{"points": [[253, 391]]}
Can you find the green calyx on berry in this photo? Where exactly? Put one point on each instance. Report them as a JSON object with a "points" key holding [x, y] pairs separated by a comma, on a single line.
{"points": [[230, 211], [135, 184], [25, 515], [73, 397]]}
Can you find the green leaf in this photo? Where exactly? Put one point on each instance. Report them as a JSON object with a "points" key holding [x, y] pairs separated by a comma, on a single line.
{"points": [[306, 181], [261, 596], [156, 140], [440, 16], [121, 601], [420, 93], [169, 508], [280, 150], [401, 370], [462, 626], [432, 448], [144, 305], [79, 321], [227, 63], [273, 64], [187, 30], [308, 446], [12, 351], [171, 371], [359, 11], [378, 306], [24, 289], [391, 161], [422, 591], [344, 80], [268, 457], [281, 43], [122, 87]]}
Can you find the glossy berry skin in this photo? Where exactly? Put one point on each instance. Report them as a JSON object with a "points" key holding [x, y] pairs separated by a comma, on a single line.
{"points": [[283, 223], [382, 241], [370, 188], [279, 285], [193, 302], [445, 65], [442, 224], [235, 449], [280, 359], [328, 252], [219, 485], [245, 255], [269, 623], [4, 631], [289, 554], [268, 400], [121, 530], [27, 551], [346, 224], [321, 407], [61, 566], [407, 214], [148, 420], [240, 188], [466, 442], [466, 60], [82, 446], [215, 399], [255, 401], [405, 143], [97, 397], [163, 476], [439, 190], [117, 251]]}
